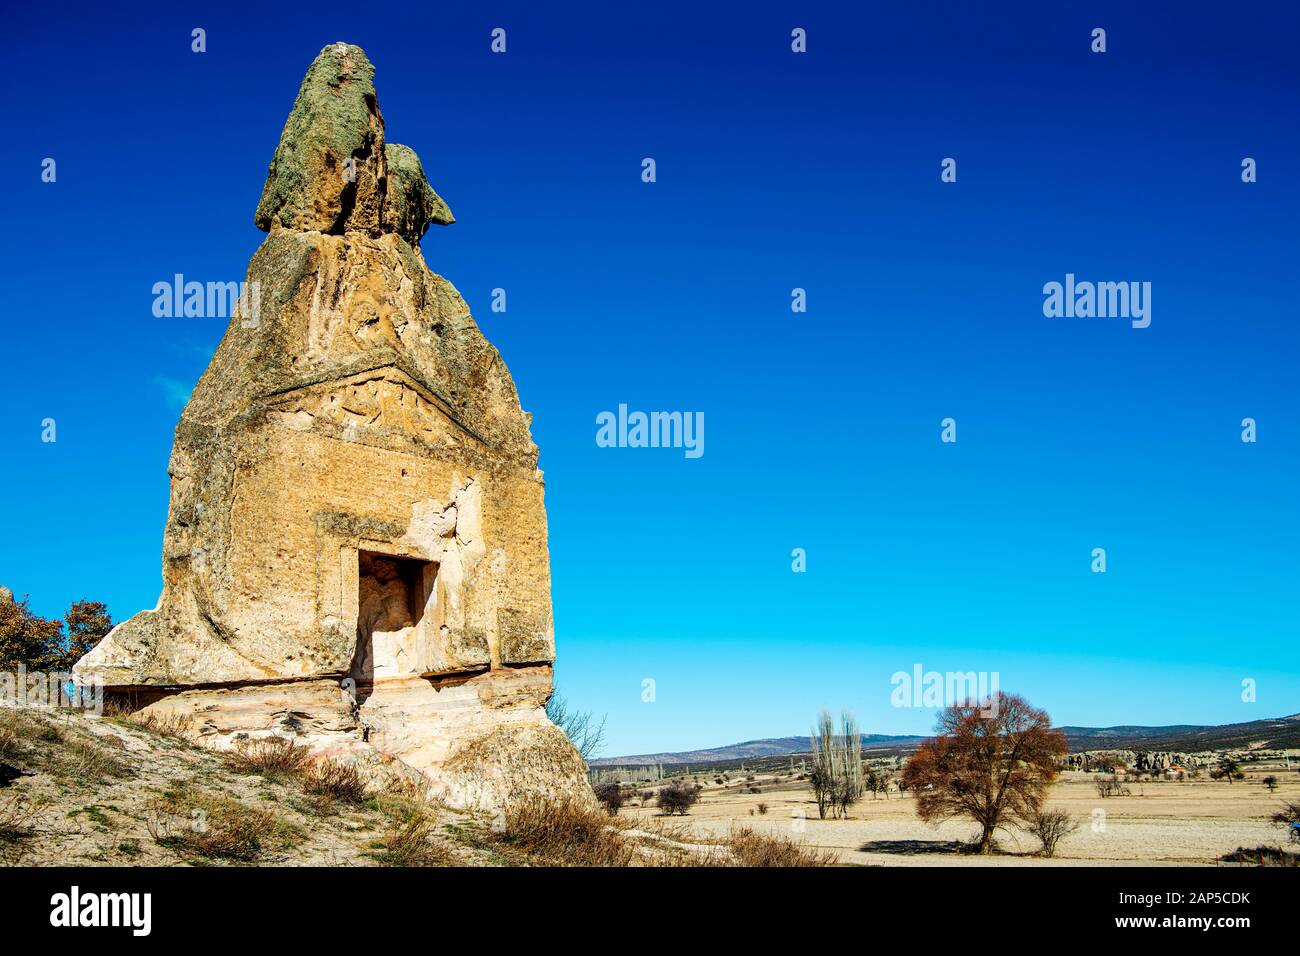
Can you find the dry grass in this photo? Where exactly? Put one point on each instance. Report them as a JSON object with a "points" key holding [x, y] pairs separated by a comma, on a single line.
{"points": [[17, 816], [20, 820], [402, 800], [413, 843], [48, 741], [91, 761], [328, 782], [17, 725], [748, 848], [273, 757], [10, 748], [411, 836], [181, 804], [205, 826], [335, 781], [174, 726], [1262, 856], [566, 833]]}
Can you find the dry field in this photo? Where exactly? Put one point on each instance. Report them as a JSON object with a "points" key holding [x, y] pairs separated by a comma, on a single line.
{"points": [[1171, 823], [85, 791]]}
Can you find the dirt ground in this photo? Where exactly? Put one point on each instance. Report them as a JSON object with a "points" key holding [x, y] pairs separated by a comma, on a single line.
{"points": [[98, 791], [1163, 823], [107, 791]]}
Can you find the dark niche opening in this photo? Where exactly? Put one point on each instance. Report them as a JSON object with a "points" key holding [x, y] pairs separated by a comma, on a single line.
{"points": [[392, 593]]}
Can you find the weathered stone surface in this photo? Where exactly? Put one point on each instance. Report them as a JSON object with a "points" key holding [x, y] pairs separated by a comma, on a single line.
{"points": [[334, 118], [355, 505], [320, 713], [332, 171], [410, 203]]}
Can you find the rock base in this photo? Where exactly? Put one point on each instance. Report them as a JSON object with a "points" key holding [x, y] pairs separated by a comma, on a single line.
{"points": [[481, 741]]}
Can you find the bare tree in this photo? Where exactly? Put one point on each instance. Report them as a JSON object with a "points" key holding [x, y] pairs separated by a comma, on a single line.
{"points": [[837, 764], [1111, 786], [677, 798], [1050, 826], [883, 779], [1229, 769], [991, 763], [1289, 818], [580, 726], [611, 797]]}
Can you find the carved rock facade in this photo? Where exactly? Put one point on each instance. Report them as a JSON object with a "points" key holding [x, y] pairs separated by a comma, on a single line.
{"points": [[355, 552]]}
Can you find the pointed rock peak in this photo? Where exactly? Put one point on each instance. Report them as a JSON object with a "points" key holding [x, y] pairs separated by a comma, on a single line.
{"points": [[332, 171], [326, 172], [410, 203]]}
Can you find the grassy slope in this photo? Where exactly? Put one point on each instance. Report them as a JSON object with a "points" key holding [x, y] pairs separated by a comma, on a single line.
{"points": [[109, 791], [112, 791]]}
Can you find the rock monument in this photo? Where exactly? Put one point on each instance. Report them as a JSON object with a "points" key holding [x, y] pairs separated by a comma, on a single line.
{"points": [[355, 552]]}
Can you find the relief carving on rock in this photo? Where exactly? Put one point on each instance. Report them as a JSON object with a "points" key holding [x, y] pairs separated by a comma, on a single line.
{"points": [[381, 403]]}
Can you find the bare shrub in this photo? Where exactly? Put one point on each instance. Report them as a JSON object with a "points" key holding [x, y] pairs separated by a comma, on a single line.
{"points": [[762, 809], [610, 796], [1288, 817], [1229, 769], [336, 780], [1262, 856], [1112, 786], [677, 798], [580, 726], [1050, 827], [268, 757], [566, 833]]}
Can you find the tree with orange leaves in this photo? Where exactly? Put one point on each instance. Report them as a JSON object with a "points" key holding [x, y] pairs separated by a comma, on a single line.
{"points": [[990, 762], [42, 645]]}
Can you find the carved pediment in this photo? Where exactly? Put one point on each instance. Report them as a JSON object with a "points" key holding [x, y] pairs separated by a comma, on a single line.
{"points": [[366, 406]]}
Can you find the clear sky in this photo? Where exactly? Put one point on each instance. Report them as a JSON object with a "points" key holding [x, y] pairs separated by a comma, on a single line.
{"points": [[775, 171]]}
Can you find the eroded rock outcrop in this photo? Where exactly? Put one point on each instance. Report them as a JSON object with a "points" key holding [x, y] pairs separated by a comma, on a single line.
{"points": [[355, 551]]}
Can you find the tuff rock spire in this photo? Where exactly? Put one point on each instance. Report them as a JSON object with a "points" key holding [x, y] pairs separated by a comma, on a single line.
{"points": [[332, 171], [355, 553]]}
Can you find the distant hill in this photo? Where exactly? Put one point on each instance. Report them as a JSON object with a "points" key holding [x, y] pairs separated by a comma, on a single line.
{"points": [[767, 747], [1277, 732]]}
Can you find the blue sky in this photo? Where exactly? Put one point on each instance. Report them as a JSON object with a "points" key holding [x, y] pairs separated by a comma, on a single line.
{"points": [[774, 171]]}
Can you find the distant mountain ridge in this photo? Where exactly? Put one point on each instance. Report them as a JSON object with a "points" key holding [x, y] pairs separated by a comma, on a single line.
{"points": [[1276, 732], [766, 747]]}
